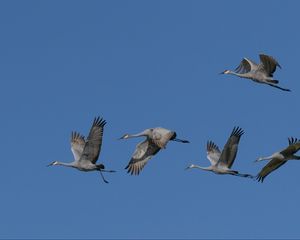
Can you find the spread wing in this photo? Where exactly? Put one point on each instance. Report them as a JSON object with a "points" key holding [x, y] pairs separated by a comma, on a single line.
{"points": [[294, 146], [231, 147], [93, 143], [77, 145], [246, 65], [268, 64], [270, 167], [213, 152], [143, 153], [162, 136]]}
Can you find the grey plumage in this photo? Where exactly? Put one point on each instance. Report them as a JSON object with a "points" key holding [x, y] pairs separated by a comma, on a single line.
{"points": [[221, 162], [86, 152], [156, 139], [277, 159], [260, 73]]}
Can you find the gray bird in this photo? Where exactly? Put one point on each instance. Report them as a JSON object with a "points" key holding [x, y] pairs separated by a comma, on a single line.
{"points": [[156, 139], [277, 159], [86, 152], [221, 162], [260, 73]]}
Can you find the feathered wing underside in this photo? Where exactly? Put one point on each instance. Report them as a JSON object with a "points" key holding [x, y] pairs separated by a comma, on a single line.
{"points": [[77, 145], [93, 144], [294, 146], [143, 153], [270, 167], [213, 152], [162, 136], [231, 147], [268, 64], [246, 65]]}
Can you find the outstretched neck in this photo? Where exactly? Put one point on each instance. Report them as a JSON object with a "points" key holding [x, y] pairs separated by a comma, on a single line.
{"points": [[202, 168], [265, 158], [141, 134], [65, 164], [236, 74]]}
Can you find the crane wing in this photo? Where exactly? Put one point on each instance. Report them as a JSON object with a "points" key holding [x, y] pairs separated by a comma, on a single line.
{"points": [[143, 153], [270, 167], [213, 152], [93, 143], [268, 64], [162, 136], [294, 146], [77, 145], [245, 66], [231, 147]]}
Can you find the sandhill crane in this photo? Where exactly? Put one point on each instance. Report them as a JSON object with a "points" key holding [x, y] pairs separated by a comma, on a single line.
{"points": [[221, 162], [156, 139], [86, 152], [279, 158], [261, 73]]}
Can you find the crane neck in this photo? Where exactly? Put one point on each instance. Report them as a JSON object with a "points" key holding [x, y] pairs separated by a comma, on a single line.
{"points": [[71, 164], [236, 74], [199, 167]]}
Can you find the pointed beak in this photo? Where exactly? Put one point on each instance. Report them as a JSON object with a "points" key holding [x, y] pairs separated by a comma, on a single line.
{"points": [[222, 72], [50, 164], [187, 168], [256, 160]]}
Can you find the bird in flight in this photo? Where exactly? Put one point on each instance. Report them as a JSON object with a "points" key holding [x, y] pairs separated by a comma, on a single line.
{"points": [[277, 159], [156, 139], [260, 73], [86, 151], [222, 161]]}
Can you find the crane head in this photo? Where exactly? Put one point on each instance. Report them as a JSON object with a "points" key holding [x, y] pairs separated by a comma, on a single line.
{"points": [[225, 72], [189, 167], [52, 164], [125, 136]]}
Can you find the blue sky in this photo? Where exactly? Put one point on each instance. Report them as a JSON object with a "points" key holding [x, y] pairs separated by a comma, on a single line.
{"points": [[142, 64]]}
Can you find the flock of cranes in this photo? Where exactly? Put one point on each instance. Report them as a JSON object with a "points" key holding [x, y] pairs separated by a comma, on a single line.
{"points": [[86, 151]]}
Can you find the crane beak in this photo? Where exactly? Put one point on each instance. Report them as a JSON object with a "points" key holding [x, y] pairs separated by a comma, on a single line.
{"points": [[225, 72], [50, 164]]}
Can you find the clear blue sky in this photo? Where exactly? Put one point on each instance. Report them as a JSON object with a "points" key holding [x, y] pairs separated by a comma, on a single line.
{"points": [[142, 64]]}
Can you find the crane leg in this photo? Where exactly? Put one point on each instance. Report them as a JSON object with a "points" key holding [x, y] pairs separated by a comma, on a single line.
{"points": [[103, 177]]}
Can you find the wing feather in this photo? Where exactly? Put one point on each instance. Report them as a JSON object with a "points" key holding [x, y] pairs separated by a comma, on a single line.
{"points": [[229, 152], [294, 146], [213, 152], [270, 167], [143, 153], [268, 64], [93, 144], [246, 65], [162, 136], [77, 145]]}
